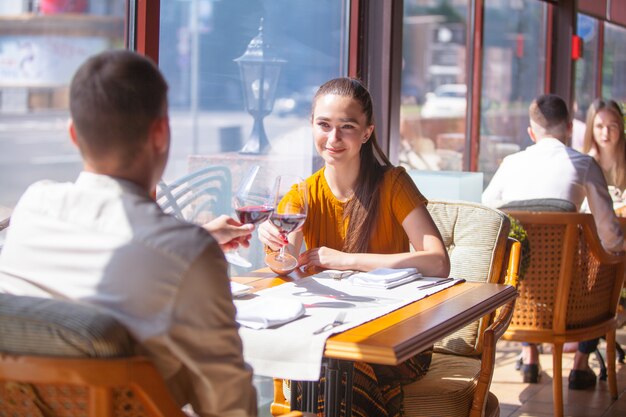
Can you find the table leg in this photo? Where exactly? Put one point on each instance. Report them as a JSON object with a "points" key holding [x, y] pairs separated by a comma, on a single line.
{"points": [[332, 389], [308, 400], [337, 387]]}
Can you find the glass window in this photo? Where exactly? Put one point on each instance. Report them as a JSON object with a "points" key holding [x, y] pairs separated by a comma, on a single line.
{"points": [[586, 67], [433, 92], [239, 68], [228, 78], [614, 65], [41, 45], [586, 76], [513, 75]]}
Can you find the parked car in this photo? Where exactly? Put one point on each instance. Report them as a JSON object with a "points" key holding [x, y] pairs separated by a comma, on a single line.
{"points": [[448, 100]]}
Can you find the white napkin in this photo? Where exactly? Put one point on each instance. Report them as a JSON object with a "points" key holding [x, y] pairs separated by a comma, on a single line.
{"points": [[239, 289], [265, 312], [384, 277]]}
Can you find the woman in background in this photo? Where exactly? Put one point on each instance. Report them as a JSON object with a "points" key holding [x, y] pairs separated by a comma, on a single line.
{"points": [[363, 214], [605, 141]]}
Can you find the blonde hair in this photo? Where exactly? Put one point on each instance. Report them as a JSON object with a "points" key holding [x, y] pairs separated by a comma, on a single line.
{"points": [[589, 143]]}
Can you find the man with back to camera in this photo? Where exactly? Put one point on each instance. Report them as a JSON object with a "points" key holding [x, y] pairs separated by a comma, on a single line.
{"points": [[104, 241], [550, 169]]}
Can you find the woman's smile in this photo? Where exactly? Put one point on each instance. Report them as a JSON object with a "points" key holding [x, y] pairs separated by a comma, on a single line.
{"points": [[334, 150], [339, 128]]}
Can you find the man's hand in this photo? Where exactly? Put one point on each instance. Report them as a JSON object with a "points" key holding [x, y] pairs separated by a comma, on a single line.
{"points": [[229, 233]]}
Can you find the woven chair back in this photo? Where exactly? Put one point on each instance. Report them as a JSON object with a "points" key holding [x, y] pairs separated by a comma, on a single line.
{"points": [[65, 359], [571, 283], [476, 239]]}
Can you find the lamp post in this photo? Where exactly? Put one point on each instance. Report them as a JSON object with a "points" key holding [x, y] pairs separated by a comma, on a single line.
{"points": [[260, 70]]}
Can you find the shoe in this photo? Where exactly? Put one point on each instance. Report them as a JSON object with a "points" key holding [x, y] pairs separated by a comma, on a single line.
{"points": [[531, 373], [581, 379]]}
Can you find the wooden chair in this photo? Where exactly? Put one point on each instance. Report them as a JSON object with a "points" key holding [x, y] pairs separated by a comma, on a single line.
{"points": [[198, 196], [570, 291], [458, 381], [65, 359]]}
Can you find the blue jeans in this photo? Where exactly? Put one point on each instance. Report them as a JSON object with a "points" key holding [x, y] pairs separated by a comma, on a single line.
{"points": [[588, 346]]}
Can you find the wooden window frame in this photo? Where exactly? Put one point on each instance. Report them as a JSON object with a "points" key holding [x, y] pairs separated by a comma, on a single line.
{"points": [[375, 56], [143, 27]]}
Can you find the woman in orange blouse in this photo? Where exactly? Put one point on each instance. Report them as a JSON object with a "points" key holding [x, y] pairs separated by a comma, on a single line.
{"points": [[363, 214]]}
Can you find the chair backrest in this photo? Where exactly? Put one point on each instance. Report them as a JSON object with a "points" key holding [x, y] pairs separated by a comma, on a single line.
{"points": [[572, 282], [540, 204], [198, 196], [60, 358], [476, 239]]}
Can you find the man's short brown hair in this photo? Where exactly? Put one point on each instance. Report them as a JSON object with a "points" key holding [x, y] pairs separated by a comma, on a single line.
{"points": [[549, 112], [115, 97]]}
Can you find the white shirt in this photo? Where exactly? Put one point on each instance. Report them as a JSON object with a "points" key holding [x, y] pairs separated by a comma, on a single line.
{"points": [[103, 241], [549, 169]]}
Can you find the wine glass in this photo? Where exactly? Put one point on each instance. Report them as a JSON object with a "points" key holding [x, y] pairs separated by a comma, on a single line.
{"points": [[290, 210], [253, 202]]}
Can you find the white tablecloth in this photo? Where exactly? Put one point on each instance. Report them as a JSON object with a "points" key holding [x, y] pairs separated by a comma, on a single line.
{"points": [[292, 351]]}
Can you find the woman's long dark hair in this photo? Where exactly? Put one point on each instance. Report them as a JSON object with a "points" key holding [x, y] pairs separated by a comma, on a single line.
{"points": [[362, 208]]}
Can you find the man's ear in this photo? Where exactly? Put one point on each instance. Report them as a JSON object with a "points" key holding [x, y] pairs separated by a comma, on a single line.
{"points": [[570, 128], [71, 128], [532, 134], [160, 134]]}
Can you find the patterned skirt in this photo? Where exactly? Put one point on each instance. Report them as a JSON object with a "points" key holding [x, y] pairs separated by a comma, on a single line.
{"points": [[377, 389]]}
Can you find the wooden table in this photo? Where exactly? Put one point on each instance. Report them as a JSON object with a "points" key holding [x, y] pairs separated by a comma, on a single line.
{"points": [[395, 337]]}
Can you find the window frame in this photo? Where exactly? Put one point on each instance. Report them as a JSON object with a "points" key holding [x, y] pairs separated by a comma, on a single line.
{"points": [[375, 27]]}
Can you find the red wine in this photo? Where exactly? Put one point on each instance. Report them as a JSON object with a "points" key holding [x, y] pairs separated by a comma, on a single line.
{"points": [[253, 214], [287, 223]]}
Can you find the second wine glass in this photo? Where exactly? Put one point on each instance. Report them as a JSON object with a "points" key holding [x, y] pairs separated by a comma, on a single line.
{"points": [[253, 203], [290, 211]]}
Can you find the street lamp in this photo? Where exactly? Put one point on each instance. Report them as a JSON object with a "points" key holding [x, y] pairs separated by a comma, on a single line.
{"points": [[260, 70]]}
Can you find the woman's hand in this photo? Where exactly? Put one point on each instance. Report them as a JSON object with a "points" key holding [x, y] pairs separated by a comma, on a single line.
{"points": [[271, 237], [229, 233], [325, 258]]}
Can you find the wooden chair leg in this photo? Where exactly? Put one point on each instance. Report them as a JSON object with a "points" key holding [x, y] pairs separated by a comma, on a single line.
{"points": [[280, 405], [100, 401], [610, 358], [557, 381]]}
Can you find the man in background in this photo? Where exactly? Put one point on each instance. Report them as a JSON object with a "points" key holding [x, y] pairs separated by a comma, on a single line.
{"points": [[103, 240], [550, 169]]}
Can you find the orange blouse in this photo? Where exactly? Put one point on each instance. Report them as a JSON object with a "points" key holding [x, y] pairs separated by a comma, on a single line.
{"points": [[325, 225]]}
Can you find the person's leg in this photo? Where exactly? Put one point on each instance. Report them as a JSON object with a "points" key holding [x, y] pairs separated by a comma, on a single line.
{"points": [[530, 353], [582, 376], [530, 368], [581, 358]]}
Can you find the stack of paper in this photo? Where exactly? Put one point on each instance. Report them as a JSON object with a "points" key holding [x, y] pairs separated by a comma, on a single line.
{"points": [[384, 277]]}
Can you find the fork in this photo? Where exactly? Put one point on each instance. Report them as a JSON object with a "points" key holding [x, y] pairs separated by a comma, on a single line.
{"points": [[434, 284], [338, 322]]}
